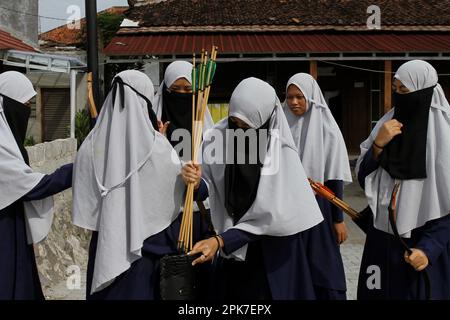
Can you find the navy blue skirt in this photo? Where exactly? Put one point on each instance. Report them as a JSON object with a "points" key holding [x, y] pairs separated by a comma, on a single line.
{"points": [[19, 279], [141, 280]]}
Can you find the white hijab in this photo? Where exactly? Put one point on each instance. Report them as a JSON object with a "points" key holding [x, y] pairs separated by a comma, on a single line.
{"points": [[127, 183], [16, 177], [177, 70], [316, 134], [284, 203], [421, 200], [16, 86]]}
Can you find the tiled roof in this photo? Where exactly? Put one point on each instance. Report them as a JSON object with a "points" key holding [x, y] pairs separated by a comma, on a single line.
{"points": [[7, 41], [294, 14], [71, 37]]}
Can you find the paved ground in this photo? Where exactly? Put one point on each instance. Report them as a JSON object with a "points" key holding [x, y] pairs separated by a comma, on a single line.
{"points": [[61, 291], [351, 252]]}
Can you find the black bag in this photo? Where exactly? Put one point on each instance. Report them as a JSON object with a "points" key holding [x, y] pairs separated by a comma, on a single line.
{"points": [[365, 219], [177, 278]]}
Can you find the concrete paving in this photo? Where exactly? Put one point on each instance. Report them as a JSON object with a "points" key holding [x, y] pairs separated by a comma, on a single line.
{"points": [[352, 249]]}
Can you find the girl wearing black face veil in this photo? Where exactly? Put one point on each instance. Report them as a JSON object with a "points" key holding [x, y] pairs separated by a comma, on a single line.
{"points": [[21, 224], [128, 190], [242, 179], [173, 106], [177, 110], [119, 84], [408, 147], [255, 204], [173, 103]]}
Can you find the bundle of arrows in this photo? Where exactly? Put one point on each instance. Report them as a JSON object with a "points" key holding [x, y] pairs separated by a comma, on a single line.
{"points": [[202, 76], [326, 193]]}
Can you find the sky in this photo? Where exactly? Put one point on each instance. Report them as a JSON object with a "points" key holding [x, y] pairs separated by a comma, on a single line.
{"points": [[58, 9]]}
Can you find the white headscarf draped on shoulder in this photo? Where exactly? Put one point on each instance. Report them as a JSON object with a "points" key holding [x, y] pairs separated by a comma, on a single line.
{"points": [[316, 134], [127, 183], [177, 70], [16, 177], [420, 200], [284, 202]]}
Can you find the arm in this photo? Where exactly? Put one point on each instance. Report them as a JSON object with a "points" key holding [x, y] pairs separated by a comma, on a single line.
{"points": [[234, 239], [339, 227], [435, 238], [201, 193], [51, 184], [337, 186], [192, 173], [229, 241], [386, 133], [368, 165]]}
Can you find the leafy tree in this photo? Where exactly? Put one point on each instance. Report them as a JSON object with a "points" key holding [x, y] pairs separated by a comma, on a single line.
{"points": [[108, 24]]}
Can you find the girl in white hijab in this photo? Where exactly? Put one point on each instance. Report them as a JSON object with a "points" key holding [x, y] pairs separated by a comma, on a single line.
{"points": [[255, 205], [324, 156], [26, 205], [173, 108], [173, 103], [128, 190], [408, 147]]}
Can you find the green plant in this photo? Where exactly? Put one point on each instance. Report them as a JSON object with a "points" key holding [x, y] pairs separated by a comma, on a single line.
{"points": [[108, 24], [82, 126], [29, 141]]}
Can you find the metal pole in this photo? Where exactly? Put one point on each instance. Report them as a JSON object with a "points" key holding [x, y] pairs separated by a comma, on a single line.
{"points": [[73, 101], [92, 48]]}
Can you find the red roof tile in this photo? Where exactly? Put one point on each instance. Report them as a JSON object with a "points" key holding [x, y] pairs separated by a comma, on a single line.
{"points": [[7, 41], [333, 14], [71, 37]]}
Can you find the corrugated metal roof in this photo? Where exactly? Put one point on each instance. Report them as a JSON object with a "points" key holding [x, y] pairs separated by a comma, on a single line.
{"points": [[164, 44], [275, 28], [7, 41]]}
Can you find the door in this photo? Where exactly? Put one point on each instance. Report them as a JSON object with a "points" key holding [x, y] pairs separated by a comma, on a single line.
{"points": [[356, 121], [56, 114]]}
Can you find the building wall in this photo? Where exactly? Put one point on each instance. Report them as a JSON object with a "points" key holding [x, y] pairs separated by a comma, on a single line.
{"points": [[66, 245], [22, 26], [81, 99], [153, 72], [34, 129], [35, 123]]}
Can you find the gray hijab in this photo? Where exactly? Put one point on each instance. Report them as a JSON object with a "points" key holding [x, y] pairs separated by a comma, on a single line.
{"points": [[316, 134], [16, 177], [127, 183], [284, 203], [419, 200]]}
